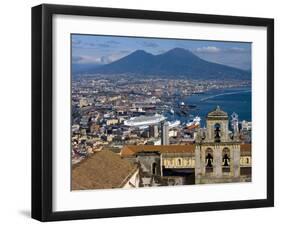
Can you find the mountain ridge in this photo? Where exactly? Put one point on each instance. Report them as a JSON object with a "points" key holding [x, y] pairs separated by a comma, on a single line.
{"points": [[177, 62]]}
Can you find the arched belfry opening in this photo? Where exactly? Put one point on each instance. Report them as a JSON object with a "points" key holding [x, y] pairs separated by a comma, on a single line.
{"points": [[217, 126], [154, 168], [217, 133], [209, 160], [226, 160]]}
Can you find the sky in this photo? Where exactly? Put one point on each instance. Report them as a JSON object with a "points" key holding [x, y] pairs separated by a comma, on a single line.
{"points": [[99, 49]]}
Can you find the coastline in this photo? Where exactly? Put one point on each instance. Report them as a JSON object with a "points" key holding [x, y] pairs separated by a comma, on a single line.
{"points": [[240, 103]]}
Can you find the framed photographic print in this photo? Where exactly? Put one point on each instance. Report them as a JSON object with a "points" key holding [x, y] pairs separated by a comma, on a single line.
{"points": [[145, 112]]}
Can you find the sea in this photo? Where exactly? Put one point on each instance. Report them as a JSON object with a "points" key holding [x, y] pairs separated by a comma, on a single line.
{"points": [[238, 100]]}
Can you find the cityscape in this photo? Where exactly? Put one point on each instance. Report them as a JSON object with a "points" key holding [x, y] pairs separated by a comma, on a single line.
{"points": [[134, 127]]}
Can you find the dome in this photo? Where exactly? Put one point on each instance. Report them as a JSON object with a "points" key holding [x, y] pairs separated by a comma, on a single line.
{"points": [[217, 114]]}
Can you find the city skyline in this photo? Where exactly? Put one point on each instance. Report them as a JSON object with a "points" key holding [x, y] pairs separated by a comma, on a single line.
{"points": [[170, 112]]}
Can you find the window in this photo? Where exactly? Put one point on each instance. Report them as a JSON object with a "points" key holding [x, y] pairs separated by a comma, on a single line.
{"points": [[217, 133], [209, 160], [154, 168], [179, 162], [225, 160]]}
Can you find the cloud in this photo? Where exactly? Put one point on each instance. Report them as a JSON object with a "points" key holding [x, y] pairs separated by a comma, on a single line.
{"points": [[107, 44], [76, 59], [149, 44], [76, 41], [160, 51], [213, 49], [237, 49], [91, 44], [124, 51], [85, 59], [114, 56], [105, 60], [208, 49], [78, 44], [88, 59], [113, 42], [103, 45]]}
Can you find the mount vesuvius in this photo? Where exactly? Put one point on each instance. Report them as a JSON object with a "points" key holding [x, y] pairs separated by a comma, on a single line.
{"points": [[175, 63]]}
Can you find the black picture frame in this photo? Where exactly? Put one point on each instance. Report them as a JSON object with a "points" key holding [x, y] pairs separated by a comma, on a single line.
{"points": [[42, 107]]}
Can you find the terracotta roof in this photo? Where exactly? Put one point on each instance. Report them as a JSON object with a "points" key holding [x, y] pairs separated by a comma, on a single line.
{"points": [[104, 169], [217, 113], [245, 149], [131, 150]]}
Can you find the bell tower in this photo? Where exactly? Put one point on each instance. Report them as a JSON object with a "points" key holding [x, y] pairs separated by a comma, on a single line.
{"points": [[217, 126], [217, 155]]}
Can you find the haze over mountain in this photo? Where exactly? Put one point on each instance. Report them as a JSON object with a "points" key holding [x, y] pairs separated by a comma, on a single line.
{"points": [[175, 63]]}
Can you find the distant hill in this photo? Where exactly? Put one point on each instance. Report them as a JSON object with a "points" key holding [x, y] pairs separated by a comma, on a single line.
{"points": [[174, 63], [83, 68]]}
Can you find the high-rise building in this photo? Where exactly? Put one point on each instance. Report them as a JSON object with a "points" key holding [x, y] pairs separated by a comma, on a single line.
{"points": [[153, 131], [234, 123], [165, 133]]}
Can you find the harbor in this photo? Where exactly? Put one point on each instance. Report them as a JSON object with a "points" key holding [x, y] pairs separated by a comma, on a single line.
{"points": [[153, 113]]}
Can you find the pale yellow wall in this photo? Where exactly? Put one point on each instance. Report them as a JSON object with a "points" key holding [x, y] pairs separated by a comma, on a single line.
{"points": [[178, 162], [243, 161], [111, 122]]}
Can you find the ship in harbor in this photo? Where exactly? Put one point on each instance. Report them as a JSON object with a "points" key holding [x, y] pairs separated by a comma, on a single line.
{"points": [[144, 120], [174, 124], [193, 123]]}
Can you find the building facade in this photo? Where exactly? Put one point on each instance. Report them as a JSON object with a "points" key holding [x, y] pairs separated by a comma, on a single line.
{"points": [[216, 156], [217, 153]]}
